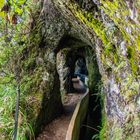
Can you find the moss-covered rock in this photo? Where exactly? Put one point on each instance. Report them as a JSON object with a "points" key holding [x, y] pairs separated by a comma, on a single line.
{"points": [[111, 28]]}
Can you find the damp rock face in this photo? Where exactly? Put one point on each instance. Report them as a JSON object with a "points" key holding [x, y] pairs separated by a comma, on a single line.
{"points": [[111, 28]]}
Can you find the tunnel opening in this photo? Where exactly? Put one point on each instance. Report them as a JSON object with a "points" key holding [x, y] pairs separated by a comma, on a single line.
{"points": [[81, 69], [77, 70], [76, 59]]}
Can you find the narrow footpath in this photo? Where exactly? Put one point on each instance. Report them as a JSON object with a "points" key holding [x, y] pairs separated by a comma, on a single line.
{"points": [[57, 129]]}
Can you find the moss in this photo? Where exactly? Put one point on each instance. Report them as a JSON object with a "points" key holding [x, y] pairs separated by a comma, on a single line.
{"points": [[129, 94], [133, 59], [111, 52], [103, 135], [138, 42], [29, 63], [117, 6], [103, 132], [118, 11], [131, 89], [88, 19], [95, 24], [120, 8]]}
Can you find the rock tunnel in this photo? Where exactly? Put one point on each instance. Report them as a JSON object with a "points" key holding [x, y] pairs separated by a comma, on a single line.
{"points": [[105, 35], [70, 52]]}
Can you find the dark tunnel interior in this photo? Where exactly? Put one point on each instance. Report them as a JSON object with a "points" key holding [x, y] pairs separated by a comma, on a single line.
{"points": [[84, 65]]}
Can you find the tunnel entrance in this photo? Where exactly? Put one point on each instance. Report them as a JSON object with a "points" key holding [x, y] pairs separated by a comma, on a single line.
{"points": [[71, 63], [76, 59], [81, 70]]}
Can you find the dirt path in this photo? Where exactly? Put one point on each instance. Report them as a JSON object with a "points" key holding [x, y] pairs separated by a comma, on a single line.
{"points": [[57, 129]]}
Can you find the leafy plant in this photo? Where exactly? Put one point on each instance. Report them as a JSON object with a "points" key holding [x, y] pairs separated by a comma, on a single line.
{"points": [[13, 31]]}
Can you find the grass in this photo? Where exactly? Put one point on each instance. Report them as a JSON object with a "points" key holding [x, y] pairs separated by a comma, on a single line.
{"points": [[7, 109], [9, 52]]}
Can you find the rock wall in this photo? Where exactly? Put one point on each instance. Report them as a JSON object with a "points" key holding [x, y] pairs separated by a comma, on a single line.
{"points": [[111, 28]]}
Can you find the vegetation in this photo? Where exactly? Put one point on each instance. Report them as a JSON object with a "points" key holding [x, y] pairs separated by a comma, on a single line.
{"points": [[13, 32], [27, 60]]}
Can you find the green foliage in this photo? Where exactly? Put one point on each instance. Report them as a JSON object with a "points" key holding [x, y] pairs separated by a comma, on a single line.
{"points": [[7, 109], [7, 105], [13, 41], [95, 137]]}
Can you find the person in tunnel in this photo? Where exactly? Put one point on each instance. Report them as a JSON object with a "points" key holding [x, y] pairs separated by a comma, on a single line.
{"points": [[81, 70]]}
